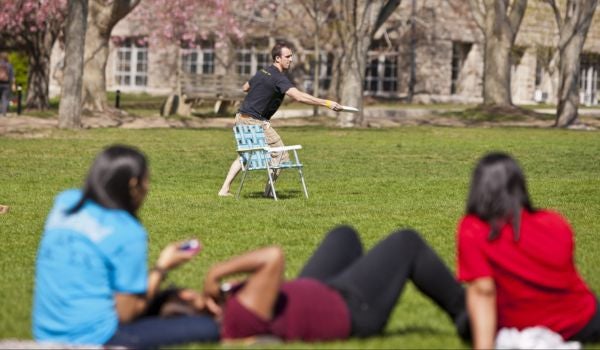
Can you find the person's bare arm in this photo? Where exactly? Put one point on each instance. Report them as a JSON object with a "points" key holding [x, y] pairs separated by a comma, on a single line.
{"points": [[265, 266], [303, 97], [130, 306], [246, 87], [481, 305]]}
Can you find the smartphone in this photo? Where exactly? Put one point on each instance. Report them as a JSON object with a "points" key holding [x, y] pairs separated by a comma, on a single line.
{"points": [[192, 245]]}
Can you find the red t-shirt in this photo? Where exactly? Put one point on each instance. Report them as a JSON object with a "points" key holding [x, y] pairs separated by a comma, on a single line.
{"points": [[306, 309], [535, 277]]}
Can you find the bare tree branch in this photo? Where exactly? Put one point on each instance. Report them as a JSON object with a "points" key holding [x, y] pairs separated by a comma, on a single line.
{"points": [[121, 8], [588, 10], [556, 11], [388, 8], [515, 17], [570, 23], [478, 13]]}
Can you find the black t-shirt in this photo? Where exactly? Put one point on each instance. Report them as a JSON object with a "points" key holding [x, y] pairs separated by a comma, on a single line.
{"points": [[267, 90]]}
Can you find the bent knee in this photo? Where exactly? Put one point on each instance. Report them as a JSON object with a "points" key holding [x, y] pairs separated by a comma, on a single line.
{"points": [[406, 237], [344, 230]]}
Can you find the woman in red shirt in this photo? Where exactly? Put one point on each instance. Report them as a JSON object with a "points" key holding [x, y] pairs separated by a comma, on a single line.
{"points": [[518, 261], [340, 292]]}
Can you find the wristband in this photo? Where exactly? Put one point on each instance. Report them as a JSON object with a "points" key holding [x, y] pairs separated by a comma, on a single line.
{"points": [[329, 104], [161, 271]]}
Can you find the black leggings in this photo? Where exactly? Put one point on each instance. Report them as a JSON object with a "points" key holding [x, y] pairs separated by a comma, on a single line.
{"points": [[371, 283], [591, 332]]}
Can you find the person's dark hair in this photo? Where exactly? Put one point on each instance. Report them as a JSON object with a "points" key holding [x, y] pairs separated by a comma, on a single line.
{"points": [[107, 182], [276, 51], [498, 193]]}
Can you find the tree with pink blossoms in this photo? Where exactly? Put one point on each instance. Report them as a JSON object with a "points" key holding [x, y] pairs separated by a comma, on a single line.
{"points": [[161, 22], [186, 23], [32, 26]]}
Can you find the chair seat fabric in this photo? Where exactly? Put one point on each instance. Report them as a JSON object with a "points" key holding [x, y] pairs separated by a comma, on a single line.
{"points": [[255, 154]]}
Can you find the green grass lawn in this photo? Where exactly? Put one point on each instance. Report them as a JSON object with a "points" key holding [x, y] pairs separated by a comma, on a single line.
{"points": [[375, 180]]}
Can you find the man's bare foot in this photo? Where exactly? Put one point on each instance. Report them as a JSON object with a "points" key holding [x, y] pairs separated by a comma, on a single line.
{"points": [[225, 194]]}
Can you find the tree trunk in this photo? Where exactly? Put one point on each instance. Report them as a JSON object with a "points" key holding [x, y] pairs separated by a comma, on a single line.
{"points": [[96, 56], [497, 65], [352, 76], [317, 72], [358, 22], [178, 71], [573, 32], [38, 79], [102, 17], [499, 20], [69, 112], [568, 91]]}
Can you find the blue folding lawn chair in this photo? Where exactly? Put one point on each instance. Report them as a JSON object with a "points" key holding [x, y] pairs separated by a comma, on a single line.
{"points": [[255, 154]]}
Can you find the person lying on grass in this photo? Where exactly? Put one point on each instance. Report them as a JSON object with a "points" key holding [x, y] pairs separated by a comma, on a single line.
{"points": [[518, 261], [340, 292], [92, 285]]}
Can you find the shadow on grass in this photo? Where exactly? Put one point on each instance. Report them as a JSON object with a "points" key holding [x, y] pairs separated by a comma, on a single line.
{"points": [[280, 194], [498, 114], [414, 330]]}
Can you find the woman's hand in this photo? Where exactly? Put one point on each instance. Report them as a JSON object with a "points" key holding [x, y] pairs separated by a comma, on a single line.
{"points": [[201, 303], [212, 286], [171, 256]]}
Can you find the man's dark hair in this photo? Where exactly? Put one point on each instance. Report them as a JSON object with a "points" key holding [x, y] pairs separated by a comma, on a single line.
{"points": [[498, 193], [276, 51], [107, 182]]}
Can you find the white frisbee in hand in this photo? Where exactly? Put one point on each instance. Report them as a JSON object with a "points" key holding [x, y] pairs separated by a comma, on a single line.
{"points": [[349, 109]]}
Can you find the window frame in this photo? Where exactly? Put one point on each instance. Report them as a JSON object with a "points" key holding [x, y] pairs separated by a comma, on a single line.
{"points": [[128, 71]]}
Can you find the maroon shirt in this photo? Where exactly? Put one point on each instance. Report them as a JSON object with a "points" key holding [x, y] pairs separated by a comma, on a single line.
{"points": [[306, 309]]}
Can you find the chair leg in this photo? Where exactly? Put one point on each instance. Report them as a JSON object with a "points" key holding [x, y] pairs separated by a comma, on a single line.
{"points": [[241, 185], [301, 174], [272, 183], [303, 183]]}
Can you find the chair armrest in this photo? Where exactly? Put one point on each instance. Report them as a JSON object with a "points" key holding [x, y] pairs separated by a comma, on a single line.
{"points": [[284, 148], [251, 149]]}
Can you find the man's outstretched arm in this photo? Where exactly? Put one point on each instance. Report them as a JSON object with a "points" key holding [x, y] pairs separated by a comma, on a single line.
{"points": [[303, 97]]}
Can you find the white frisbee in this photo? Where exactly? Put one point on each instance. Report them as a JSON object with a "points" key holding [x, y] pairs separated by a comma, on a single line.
{"points": [[349, 109]]}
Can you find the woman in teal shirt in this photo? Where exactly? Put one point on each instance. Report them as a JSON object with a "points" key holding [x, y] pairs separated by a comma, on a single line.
{"points": [[92, 285]]}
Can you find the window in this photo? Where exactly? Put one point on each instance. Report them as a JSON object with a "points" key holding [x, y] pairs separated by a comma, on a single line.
{"points": [[263, 60], [325, 71], [132, 64], [244, 62], [390, 75], [381, 76], [199, 60], [249, 60], [588, 79], [539, 72], [459, 54]]}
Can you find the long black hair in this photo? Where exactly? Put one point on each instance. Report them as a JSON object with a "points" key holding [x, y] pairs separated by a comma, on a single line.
{"points": [[108, 179], [498, 193]]}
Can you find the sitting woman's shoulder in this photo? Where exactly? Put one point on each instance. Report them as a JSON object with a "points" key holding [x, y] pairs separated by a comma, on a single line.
{"points": [[70, 195], [551, 218]]}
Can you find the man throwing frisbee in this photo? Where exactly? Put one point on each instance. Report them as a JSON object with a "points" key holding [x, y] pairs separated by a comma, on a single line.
{"points": [[266, 90]]}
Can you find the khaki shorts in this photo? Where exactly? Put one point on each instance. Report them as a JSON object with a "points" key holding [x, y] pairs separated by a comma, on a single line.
{"points": [[272, 137]]}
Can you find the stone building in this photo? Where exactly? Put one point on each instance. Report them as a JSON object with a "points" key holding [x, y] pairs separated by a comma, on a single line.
{"points": [[432, 52]]}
